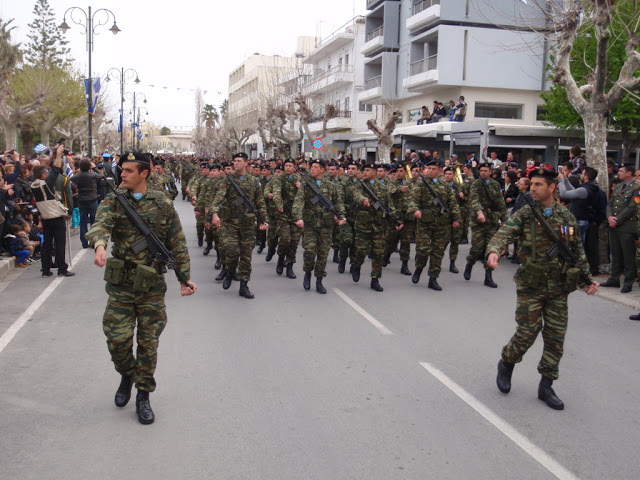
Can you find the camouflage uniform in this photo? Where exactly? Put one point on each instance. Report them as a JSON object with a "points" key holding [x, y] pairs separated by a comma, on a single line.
{"points": [[128, 309], [237, 230], [202, 191], [347, 231], [170, 189], [494, 210], [408, 232], [187, 173], [433, 230], [272, 231], [465, 206], [456, 233], [318, 225], [371, 226], [284, 193], [541, 299], [335, 233]]}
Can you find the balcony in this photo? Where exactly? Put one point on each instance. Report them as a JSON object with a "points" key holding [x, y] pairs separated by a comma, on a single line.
{"points": [[374, 41], [371, 4], [423, 74], [425, 13], [340, 122], [335, 77], [372, 90]]}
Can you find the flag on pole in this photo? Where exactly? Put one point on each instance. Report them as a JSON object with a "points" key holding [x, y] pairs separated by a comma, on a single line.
{"points": [[39, 148]]}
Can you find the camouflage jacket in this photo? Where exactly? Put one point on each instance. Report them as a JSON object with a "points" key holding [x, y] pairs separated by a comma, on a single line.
{"points": [[492, 205], [349, 187], [284, 193], [170, 189], [203, 196], [317, 215], [519, 228], [401, 199], [266, 191], [422, 199], [382, 192], [157, 212], [226, 197]]}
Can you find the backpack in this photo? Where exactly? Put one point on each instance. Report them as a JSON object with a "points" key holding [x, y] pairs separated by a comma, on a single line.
{"points": [[598, 210]]}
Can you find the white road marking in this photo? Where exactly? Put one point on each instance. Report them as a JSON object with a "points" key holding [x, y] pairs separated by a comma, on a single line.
{"points": [[524, 443], [381, 328], [33, 308]]}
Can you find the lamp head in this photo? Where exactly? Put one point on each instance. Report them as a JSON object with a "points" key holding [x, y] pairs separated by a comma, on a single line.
{"points": [[137, 80], [64, 26], [114, 29]]}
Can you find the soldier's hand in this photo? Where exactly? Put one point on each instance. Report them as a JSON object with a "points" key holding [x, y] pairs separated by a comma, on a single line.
{"points": [[418, 214], [297, 184], [481, 217], [197, 213], [216, 220], [342, 221], [101, 256], [270, 196], [280, 210], [207, 226], [190, 290], [405, 188], [613, 222], [456, 224], [591, 289], [492, 260], [193, 201], [461, 195], [400, 227], [264, 226], [300, 223], [366, 202]]}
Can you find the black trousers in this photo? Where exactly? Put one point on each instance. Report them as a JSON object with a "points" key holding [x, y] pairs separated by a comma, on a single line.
{"points": [[623, 255], [54, 230]]}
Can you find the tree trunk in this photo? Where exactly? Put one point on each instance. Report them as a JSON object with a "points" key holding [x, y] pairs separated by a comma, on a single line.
{"points": [[384, 152], [10, 136], [595, 139], [293, 149]]}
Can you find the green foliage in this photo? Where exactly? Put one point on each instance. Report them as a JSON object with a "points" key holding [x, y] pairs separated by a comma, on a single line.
{"points": [[210, 116], [10, 54], [46, 48], [165, 131]]}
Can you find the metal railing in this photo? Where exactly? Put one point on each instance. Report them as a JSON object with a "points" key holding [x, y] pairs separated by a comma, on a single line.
{"points": [[423, 5], [340, 114], [424, 65], [375, 33], [373, 82], [321, 74]]}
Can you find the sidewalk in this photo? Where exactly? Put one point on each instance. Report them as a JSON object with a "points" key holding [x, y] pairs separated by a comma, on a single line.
{"points": [[631, 299]]}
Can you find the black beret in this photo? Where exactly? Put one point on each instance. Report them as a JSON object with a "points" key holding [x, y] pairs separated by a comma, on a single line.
{"points": [[240, 155], [545, 172], [485, 164], [432, 161], [371, 165], [134, 157]]}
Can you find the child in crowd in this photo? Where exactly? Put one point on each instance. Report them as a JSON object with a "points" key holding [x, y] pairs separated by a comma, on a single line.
{"points": [[26, 240], [16, 247]]}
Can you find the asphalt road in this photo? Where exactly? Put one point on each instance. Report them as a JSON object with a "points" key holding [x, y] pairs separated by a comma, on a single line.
{"points": [[296, 385]]}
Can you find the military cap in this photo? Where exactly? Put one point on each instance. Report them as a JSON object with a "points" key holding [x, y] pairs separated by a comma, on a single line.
{"points": [[485, 164], [106, 155], [289, 160], [227, 164], [322, 163], [545, 172], [448, 169], [265, 167], [371, 165], [159, 163], [214, 166], [134, 157], [432, 161], [240, 155]]}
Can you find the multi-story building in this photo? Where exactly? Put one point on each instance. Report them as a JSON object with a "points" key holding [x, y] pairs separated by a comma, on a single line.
{"points": [[490, 52]]}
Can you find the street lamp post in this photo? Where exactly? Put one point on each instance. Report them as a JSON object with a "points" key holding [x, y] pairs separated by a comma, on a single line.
{"points": [[135, 96], [90, 27], [121, 74]]}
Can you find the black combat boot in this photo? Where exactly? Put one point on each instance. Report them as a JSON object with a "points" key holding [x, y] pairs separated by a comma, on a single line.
{"points": [[200, 242], [223, 273], [375, 285], [226, 283], [387, 260], [405, 268], [123, 394], [143, 408], [547, 395], [261, 247], [208, 248], [280, 265], [244, 290], [355, 273], [452, 267], [505, 370], [234, 276], [336, 257], [635, 317], [218, 261], [341, 265], [467, 271], [270, 253], [319, 287], [416, 275], [433, 284], [488, 279], [306, 282], [464, 241], [290, 273]]}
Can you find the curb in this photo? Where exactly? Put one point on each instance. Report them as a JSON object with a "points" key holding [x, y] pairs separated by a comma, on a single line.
{"points": [[631, 299], [7, 265]]}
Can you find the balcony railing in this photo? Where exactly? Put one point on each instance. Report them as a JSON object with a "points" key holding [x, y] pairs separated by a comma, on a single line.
{"points": [[340, 114], [373, 82], [424, 65], [320, 74], [423, 5], [375, 33]]}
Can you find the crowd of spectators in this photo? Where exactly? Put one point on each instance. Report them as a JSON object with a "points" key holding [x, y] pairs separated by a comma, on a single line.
{"points": [[457, 112]]}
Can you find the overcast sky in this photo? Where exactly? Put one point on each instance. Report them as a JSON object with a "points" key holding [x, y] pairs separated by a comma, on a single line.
{"points": [[187, 44]]}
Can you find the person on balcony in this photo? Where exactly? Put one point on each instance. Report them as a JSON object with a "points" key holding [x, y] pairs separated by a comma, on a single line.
{"points": [[425, 116], [438, 111], [461, 110]]}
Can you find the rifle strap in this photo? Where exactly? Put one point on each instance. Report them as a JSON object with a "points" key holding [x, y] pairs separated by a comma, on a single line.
{"points": [[532, 222], [488, 192]]}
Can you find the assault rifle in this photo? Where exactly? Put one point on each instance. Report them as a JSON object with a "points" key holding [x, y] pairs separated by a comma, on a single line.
{"points": [[150, 240], [244, 200], [377, 203], [319, 196], [444, 208], [559, 247]]}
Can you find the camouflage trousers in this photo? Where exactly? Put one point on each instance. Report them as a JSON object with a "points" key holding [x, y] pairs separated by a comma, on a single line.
{"points": [[335, 237], [540, 309], [237, 242], [454, 242], [272, 234], [347, 241], [466, 218], [201, 231], [127, 310], [431, 242], [404, 236], [288, 240], [316, 243], [370, 241], [481, 234]]}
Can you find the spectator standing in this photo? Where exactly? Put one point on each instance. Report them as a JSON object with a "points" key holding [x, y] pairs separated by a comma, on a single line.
{"points": [[577, 160], [621, 215], [87, 183], [461, 110]]}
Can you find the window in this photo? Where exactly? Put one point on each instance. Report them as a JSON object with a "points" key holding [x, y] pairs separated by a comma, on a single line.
{"points": [[415, 114], [498, 110], [365, 107], [346, 59], [339, 60], [346, 104], [540, 113]]}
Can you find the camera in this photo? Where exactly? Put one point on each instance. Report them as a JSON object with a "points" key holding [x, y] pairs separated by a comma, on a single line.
{"points": [[61, 141]]}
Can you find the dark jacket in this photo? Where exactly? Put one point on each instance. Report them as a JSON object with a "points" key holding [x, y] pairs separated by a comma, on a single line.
{"points": [[14, 244], [87, 183]]}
